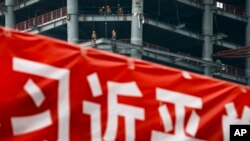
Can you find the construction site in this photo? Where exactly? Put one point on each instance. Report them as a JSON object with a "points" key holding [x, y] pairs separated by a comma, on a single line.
{"points": [[203, 36]]}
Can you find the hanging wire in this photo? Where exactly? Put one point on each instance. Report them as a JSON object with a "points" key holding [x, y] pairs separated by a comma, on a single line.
{"points": [[177, 13], [216, 24], [159, 7], [36, 10]]}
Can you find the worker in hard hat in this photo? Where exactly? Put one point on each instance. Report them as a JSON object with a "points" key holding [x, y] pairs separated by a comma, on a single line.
{"points": [[114, 48], [120, 11], [93, 36], [102, 10], [108, 9], [113, 34]]}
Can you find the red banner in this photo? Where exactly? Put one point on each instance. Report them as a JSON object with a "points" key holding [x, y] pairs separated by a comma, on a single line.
{"points": [[50, 90]]}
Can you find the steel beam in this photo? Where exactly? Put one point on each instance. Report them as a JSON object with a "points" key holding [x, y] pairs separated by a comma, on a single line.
{"points": [[207, 31], [226, 44], [102, 18], [172, 28], [72, 21], [230, 15], [19, 6], [24, 4], [82, 18], [136, 26], [191, 3], [216, 10], [48, 26], [9, 16], [248, 40]]}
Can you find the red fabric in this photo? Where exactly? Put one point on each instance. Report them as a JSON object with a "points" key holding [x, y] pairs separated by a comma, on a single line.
{"points": [[14, 100]]}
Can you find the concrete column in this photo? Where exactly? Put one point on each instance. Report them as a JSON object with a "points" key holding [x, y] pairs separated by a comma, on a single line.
{"points": [[136, 27], [207, 31], [248, 40], [72, 21], [9, 16]]}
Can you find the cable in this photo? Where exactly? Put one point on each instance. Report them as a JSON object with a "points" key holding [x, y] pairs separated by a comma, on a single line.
{"points": [[216, 24], [177, 13], [36, 10], [159, 7]]}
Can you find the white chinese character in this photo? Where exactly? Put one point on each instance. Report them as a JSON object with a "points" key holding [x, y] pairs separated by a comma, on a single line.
{"points": [[231, 118], [94, 109], [115, 109], [180, 101], [26, 124]]}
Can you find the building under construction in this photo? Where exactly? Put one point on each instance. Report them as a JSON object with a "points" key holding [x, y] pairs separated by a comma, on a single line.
{"points": [[203, 36]]}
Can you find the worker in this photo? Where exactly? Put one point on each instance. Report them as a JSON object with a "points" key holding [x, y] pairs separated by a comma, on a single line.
{"points": [[113, 35], [93, 36], [108, 10], [114, 48], [218, 68], [120, 11], [223, 68], [102, 10]]}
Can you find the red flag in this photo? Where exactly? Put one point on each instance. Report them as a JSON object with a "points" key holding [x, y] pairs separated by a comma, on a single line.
{"points": [[52, 90]]}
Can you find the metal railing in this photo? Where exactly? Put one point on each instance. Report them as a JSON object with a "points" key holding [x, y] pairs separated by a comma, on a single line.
{"points": [[156, 47], [48, 17], [227, 8], [233, 9], [232, 70], [223, 68], [42, 19], [62, 12]]}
